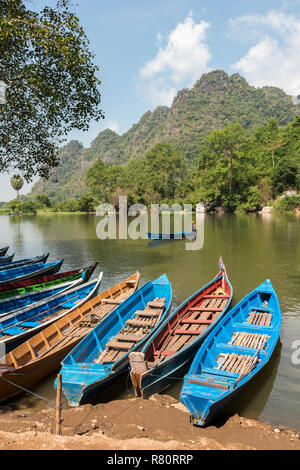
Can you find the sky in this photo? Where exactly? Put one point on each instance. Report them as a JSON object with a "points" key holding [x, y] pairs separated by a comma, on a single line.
{"points": [[148, 50]]}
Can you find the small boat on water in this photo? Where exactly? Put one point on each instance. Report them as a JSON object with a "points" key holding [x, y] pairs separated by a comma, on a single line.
{"points": [[174, 235], [28, 271], [3, 251], [41, 355], [16, 328], [15, 304], [170, 350], [103, 354], [7, 258], [23, 262], [11, 289], [232, 354]]}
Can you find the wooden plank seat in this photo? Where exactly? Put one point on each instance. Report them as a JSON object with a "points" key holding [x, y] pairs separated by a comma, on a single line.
{"points": [[147, 313], [196, 322], [237, 363], [216, 296], [135, 322], [156, 303], [206, 309], [129, 337], [186, 332], [164, 353], [112, 301], [209, 383], [259, 318], [119, 345], [249, 340]]}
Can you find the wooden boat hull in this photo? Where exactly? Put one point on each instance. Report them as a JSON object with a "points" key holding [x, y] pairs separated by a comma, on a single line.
{"points": [[15, 329], [6, 259], [23, 262], [233, 354], [3, 251], [29, 271], [25, 286], [31, 374], [13, 305], [81, 375], [167, 373], [157, 378], [23, 370]]}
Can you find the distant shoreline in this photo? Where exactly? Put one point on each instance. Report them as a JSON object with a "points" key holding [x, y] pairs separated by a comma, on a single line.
{"points": [[295, 212]]}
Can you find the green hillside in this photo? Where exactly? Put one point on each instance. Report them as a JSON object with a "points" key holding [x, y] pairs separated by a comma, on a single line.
{"points": [[215, 100]]}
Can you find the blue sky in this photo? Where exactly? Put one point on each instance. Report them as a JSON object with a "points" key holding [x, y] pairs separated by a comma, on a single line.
{"points": [[147, 50]]}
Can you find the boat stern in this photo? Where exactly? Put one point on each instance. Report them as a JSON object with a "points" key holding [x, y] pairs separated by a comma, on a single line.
{"points": [[202, 400], [77, 380], [198, 407]]}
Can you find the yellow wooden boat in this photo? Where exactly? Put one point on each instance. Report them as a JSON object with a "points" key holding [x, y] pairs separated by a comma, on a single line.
{"points": [[27, 364]]}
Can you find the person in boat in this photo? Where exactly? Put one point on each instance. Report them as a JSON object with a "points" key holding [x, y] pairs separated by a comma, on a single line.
{"points": [[194, 227]]}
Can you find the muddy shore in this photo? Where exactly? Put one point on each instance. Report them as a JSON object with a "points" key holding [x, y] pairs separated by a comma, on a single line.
{"points": [[160, 423]]}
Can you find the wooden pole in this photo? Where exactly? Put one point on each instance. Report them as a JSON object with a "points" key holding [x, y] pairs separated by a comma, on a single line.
{"points": [[58, 406]]}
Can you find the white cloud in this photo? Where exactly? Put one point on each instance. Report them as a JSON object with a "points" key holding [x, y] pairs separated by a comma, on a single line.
{"points": [[180, 62], [274, 59], [113, 125]]}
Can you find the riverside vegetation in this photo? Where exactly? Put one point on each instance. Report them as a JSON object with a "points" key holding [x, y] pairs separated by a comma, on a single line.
{"points": [[222, 142]]}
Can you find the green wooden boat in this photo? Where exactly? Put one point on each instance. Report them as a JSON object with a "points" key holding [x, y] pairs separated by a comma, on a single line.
{"points": [[54, 280]]}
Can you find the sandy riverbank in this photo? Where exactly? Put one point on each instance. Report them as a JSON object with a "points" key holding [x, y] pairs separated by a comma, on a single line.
{"points": [[160, 423]]}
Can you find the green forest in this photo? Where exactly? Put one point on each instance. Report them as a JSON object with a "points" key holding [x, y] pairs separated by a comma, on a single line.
{"points": [[235, 169]]}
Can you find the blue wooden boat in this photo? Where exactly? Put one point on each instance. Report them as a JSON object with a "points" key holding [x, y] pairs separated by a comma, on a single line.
{"points": [[14, 304], [103, 354], [4, 250], [6, 259], [23, 262], [233, 354], [29, 271], [16, 328], [42, 354], [170, 351], [173, 235]]}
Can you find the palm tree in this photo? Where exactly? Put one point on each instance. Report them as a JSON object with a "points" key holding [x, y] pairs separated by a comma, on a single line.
{"points": [[17, 183]]}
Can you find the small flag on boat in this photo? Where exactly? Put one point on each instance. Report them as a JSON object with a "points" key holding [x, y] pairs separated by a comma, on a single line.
{"points": [[222, 267]]}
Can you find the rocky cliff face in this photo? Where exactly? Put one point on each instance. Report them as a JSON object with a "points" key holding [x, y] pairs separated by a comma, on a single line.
{"points": [[215, 100]]}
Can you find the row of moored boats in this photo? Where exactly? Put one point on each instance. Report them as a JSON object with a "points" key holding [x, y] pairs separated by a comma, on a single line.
{"points": [[51, 320]]}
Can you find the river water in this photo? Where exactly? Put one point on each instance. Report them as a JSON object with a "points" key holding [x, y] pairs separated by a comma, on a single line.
{"points": [[254, 247]]}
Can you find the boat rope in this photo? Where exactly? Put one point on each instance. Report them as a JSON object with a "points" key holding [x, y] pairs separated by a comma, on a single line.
{"points": [[26, 390], [159, 376]]}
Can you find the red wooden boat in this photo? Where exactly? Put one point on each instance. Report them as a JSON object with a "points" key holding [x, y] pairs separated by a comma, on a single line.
{"points": [[168, 353], [8, 286]]}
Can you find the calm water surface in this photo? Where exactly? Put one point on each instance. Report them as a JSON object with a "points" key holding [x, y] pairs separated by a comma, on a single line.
{"points": [[253, 247]]}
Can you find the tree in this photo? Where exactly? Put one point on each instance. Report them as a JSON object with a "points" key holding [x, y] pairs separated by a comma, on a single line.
{"points": [[284, 175], [17, 183], [220, 168], [42, 200], [270, 137], [14, 205], [163, 172], [85, 204], [102, 179], [51, 84]]}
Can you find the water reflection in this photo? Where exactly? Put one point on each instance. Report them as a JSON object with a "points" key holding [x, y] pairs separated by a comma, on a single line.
{"points": [[253, 247]]}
